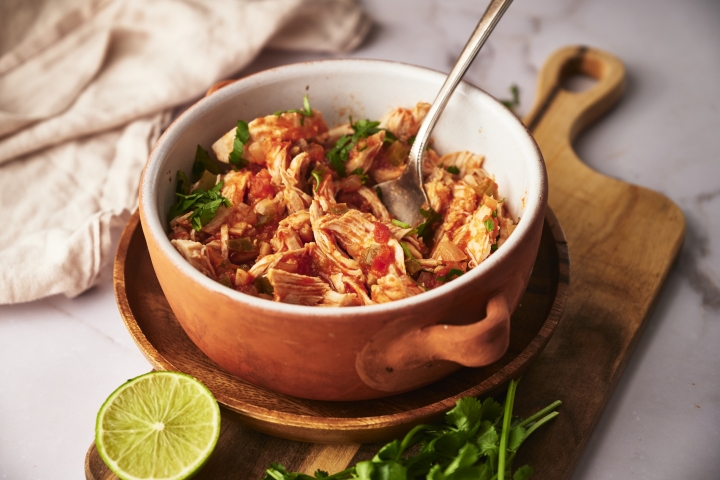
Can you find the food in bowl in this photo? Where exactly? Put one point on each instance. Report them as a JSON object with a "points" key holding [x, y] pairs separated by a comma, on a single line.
{"points": [[297, 218], [351, 353]]}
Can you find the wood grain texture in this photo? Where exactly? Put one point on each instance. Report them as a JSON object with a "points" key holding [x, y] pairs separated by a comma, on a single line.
{"points": [[622, 240]]}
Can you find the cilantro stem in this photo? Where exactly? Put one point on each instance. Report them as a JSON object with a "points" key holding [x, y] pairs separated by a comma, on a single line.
{"points": [[407, 441], [541, 413], [507, 418], [539, 424]]}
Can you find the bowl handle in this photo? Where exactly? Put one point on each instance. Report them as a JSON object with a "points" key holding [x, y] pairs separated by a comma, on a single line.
{"points": [[397, 359]]}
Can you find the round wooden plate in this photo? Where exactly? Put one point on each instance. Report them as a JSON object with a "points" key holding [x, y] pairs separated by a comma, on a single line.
{"points": [[161, 339]]}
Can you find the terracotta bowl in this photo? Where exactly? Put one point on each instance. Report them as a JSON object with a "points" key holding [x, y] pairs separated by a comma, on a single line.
{"points": [[352, 353]]}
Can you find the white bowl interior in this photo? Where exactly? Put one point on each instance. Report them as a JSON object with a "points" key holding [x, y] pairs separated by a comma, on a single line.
{"points": [[472, 120]]}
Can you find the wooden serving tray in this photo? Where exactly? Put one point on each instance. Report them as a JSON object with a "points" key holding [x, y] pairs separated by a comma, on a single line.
{"points": [[623, 240]]}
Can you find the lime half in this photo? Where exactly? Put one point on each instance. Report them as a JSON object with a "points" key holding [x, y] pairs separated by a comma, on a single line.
{"points": [[161, 425]]}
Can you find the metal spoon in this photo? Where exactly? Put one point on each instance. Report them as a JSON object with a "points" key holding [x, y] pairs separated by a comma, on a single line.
{"points": [[404, 196]]}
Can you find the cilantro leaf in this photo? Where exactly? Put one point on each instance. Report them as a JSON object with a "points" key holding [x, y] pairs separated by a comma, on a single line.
{"points": [[454, 272], [487, 438], [203, 163], [465, 414], [523, 473], [389, 137], [424, 230], [514, 102], [339, 154], [305, 112], [453, 169], [203, 204], [379, 193], [491, 410], [183, 185], [360, 173], [242, 135]]}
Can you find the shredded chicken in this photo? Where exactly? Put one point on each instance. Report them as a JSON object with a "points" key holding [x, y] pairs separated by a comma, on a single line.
{"points": [[289, 226]]}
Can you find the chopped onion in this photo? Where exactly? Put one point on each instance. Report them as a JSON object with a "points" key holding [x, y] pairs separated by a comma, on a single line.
{"points": [[351, 183], [449, 252]]}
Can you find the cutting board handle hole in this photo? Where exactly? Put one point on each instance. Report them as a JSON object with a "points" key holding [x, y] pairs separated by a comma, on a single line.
{"points": [[577, 82]]}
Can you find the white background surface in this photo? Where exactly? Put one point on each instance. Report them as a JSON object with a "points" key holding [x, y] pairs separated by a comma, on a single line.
{"points": [[60, 358]]}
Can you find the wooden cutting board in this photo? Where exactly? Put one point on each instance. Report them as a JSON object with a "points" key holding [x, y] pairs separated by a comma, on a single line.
{"points": [[622, 240]]}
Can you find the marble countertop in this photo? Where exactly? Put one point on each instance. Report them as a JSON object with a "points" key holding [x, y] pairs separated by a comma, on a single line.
{"points": [[60, 358]]}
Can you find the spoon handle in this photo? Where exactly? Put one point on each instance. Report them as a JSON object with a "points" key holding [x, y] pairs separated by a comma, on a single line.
{"points": [[486, 25]]}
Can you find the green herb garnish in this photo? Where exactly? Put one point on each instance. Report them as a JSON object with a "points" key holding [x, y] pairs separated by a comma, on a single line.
{"points": [[318, 176], [204, 206], [478, 441], [493, 247], [379, 193], [339, 154], [411, 264], [263, 285], [305, 112], [514, 102], [453, 169], [454, 272], [389, 137], [242, 135], [359, 172], [183, 185], [424, 230], [203, 163], [489, 225], [400, 224]]}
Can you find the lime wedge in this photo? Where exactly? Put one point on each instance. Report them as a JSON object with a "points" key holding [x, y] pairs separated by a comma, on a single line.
{"points": [[161, 425]]}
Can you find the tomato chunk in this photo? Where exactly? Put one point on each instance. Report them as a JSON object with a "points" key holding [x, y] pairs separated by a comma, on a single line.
{"points": [[382, 233], [260, 187], [382, 261]]}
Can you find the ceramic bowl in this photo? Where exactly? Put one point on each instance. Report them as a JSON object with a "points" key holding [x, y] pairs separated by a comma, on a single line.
{"points": [[352, 353]]}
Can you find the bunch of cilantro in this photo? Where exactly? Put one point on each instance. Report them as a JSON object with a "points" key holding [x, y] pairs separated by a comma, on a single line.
{"points": [[478, 442]]}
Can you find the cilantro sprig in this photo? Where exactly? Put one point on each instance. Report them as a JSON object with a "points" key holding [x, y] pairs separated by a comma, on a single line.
{"points": [[340, 153], [305, 112], [242, 135], [453, 170], [479, 440], [203, 204]]}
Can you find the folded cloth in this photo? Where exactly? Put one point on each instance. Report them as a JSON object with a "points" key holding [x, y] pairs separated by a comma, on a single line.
{"points": [[85, 94]]}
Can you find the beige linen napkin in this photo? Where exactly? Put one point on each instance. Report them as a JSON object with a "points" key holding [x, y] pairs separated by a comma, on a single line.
{"points": [[86, 90]]}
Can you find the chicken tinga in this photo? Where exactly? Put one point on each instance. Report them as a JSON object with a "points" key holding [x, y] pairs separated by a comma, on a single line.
{"points": [[296, 217]]}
